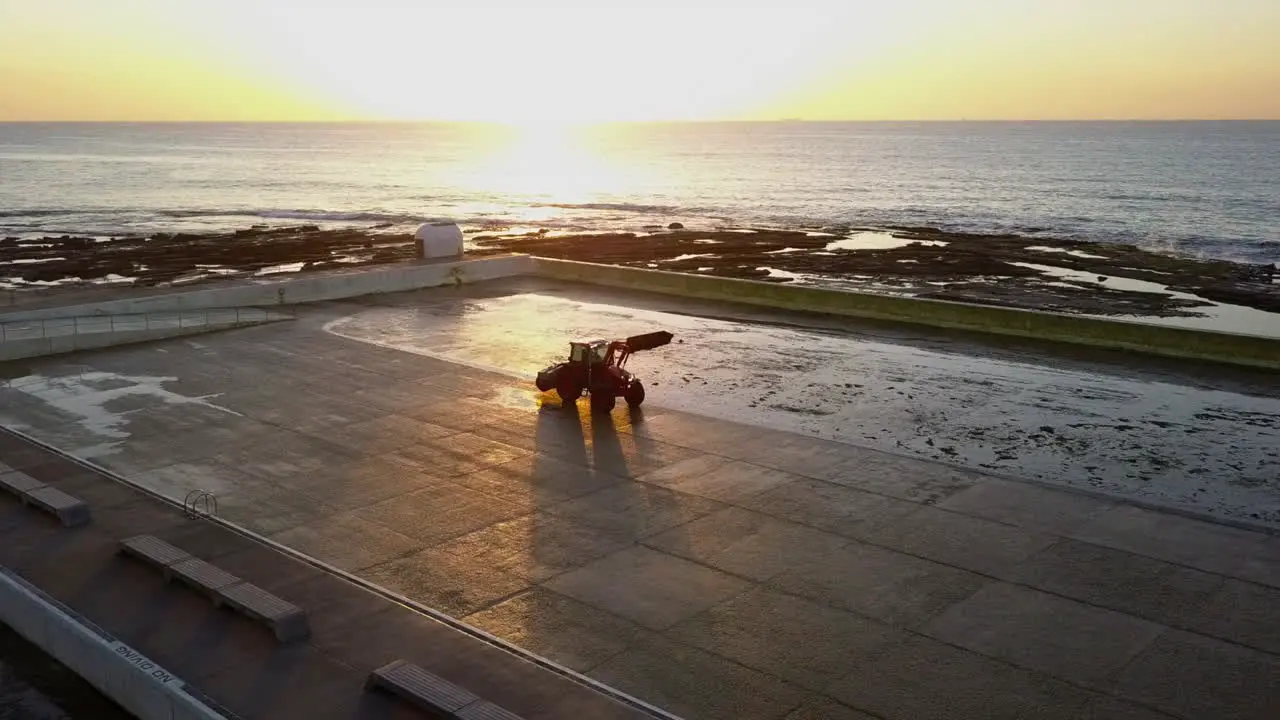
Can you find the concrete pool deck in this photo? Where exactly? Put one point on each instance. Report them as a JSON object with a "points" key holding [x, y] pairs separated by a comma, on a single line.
{"points": [[714, 569]]}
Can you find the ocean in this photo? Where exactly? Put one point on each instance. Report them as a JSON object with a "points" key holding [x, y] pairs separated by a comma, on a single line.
{"points": [[1202, 189]]}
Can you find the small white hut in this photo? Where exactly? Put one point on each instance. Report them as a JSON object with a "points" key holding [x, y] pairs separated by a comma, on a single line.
{"points": [[439, 240]]}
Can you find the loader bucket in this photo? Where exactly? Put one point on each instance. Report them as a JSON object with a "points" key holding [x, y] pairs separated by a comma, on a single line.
{"points": [[649, 341]]}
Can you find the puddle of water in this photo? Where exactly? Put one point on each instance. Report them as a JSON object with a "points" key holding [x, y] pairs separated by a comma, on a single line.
{"points": [[83, 397], [31, 261], [277, 269], [776, 273], [1064, 251], [1216, 317], [877, 241]]}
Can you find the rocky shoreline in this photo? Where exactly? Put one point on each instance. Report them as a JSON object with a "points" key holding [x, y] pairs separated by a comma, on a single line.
{"points": [[1008, 270], [1060, 275]]}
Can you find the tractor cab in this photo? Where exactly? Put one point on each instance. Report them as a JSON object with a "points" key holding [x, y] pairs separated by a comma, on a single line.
{"points": [[592, 352]]}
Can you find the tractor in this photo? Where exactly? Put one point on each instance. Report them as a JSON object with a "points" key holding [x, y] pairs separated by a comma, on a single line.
{"points": [[599, 368]]}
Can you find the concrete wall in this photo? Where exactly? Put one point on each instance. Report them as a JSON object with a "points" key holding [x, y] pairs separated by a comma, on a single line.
{"points": [[1154, 339], [301, 288], [58, 344], [116, 670]]}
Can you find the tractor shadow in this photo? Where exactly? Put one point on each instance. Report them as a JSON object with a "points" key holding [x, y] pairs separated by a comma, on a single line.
{"points": [[593, 459]]}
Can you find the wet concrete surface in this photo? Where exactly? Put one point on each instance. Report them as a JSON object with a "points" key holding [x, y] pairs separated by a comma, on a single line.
{"points": [[713, 568], [1189, 440], [34, 686]]}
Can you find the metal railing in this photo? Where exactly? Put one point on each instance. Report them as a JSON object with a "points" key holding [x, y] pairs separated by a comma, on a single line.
{"points": [[13, 330]]}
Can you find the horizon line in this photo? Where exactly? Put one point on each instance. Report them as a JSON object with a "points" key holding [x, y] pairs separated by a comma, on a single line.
{"points": [[421, 121]]}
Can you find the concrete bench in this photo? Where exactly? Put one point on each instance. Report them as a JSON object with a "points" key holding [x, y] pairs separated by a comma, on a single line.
{"points": [[70, 511], [433, 694], [154, 551], [19, 484], [202, 576], [287, 621]]}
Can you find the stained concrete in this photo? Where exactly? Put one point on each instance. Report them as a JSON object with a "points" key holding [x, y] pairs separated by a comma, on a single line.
{"points": [[712, 568]]}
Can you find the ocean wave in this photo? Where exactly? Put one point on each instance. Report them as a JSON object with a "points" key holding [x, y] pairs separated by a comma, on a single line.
{"points": [[37, 212], [313, 215], [621, 207]]}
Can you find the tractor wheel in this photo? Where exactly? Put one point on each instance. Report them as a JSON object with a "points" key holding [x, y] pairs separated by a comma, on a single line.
{"points": [[568, 392], [635, 394], [603, 402]]}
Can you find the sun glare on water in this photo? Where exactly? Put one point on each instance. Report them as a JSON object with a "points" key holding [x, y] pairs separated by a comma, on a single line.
{"points": [[553, 164]]}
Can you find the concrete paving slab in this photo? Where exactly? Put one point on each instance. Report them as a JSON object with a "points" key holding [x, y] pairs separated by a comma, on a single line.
{"points": [[798, 454], [348, 541], [457, 454], [140, 453], [698, 432], [1262, 564], [572, 633], [611, 450], [272, 510], [708, 476], [464, 414], [430, 577], [635, 510], [365, 481], [1196, 543], [1119, 580], [180, 479], [747, 543], [381, 434], [922, 679], [1103, 707], [328, 417], [844, 511], [439, 513], [1039, 509], [1039, 631], [1192, 676], [650, 588], [800, 641], [1240, 612], [824, 709], [536, 481], [976, 544], [695, 684], [883, 584], [282, 454], [535, 547], [901, 477]]}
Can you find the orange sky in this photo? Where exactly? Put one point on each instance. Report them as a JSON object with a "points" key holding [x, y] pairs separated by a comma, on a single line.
{"points": [[666, 60]]}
